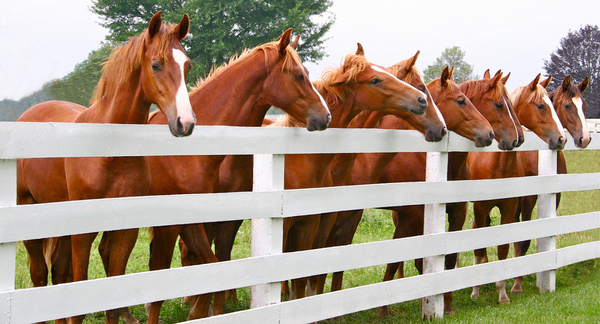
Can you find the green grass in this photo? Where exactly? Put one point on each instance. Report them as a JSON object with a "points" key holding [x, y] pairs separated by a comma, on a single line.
{"points": [[576, 298]]}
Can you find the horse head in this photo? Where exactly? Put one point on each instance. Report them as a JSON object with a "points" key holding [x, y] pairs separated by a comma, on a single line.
{"points": [[570, 108]]}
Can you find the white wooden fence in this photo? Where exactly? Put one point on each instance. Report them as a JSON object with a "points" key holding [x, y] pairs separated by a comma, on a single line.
{"points": [[271, 204]]}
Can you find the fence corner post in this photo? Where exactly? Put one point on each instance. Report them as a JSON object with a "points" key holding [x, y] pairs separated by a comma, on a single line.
{"points": [[8, 250], [547, 165], [267, 233], [434, 222]]}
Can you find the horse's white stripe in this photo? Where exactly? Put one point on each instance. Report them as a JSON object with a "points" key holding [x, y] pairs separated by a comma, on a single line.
{"points": [[378, 69], [561, 129], [320, 97], [584, 128], [182, 98], [511, 115]]}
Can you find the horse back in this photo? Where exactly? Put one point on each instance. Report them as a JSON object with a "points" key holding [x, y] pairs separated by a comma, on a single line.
{"points": [[52, 111]]}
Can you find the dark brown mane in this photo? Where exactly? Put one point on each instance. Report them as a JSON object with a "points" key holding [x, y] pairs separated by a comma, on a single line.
{"points": [[560, 95], [124, 60]]}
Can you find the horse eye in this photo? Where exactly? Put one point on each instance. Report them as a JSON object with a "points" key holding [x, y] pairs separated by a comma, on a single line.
{"points": [[567, 107], [498, 105], [461, 102], [375, 81], [299, 77], [540, 106], [155, 66]]}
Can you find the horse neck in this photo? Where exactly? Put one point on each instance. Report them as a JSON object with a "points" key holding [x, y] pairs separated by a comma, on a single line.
{"points": [[234, 97], [127, 105]]}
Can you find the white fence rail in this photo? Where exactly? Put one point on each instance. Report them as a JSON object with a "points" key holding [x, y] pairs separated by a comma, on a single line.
{"points": [[22, 140]]}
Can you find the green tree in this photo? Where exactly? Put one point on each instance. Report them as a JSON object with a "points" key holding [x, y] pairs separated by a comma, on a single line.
{"points": [[452, 57], [578, 55], [78, 86], [220, 29]]}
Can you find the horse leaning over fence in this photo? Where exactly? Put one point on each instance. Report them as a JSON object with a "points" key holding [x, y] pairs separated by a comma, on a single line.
{"points": [[238, 94], [570, 108], [535, 111], [151, 68]]}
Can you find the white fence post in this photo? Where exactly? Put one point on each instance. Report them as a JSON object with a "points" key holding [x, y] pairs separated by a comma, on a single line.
{"points": [[8, 197], [547, 165], [434, 222], [267, 233]]}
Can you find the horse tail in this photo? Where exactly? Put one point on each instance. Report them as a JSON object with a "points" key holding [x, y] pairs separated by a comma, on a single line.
{"points": [[48, 246]]}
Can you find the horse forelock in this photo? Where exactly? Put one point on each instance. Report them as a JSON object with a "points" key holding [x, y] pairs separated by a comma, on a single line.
{"points": [[349, 70], [535, 96], [126, 59], [477, 88], [412, 73]]}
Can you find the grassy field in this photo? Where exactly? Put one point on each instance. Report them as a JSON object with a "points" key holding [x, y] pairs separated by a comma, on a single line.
{"points": [[576, 298]]}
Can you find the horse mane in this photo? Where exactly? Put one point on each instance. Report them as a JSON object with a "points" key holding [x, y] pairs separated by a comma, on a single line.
{"points": [[126, 59], [287, 121], [535, 96], [409, 75], [476, 88], [562, 95], [351, 67], [291, 58]]}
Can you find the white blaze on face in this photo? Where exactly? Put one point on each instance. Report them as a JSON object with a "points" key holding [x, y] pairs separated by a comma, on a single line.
{"points": [[378, 69], [584, 129], [320, 97], [182, 99], [554, 116], [511, 115]]}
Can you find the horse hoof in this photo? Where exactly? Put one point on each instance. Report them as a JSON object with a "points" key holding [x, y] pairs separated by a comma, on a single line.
{"points": [[514, 292], [504, 302]]}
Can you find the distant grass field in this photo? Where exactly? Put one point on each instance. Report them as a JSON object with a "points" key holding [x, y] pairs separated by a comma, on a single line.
{"points": [[576, 298]]}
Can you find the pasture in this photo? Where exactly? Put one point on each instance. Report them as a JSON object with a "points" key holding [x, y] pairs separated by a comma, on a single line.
{"points": [[575, 299]]}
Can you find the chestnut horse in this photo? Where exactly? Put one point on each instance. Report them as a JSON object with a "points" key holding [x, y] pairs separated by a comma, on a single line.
{"points": [[238, 94], [460, 116], [570, 108], [355, 86], [535, 111], [150, 68], [431, 124]]}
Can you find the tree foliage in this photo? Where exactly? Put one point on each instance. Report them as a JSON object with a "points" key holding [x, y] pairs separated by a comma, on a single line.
{"points": [[10, 110], [452, 57], [578, 55], [220, 29]]}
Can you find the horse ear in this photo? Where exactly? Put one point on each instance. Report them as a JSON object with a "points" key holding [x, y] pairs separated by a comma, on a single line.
{"points": [[360, 50], [583, 85], [182, 29], [284, 40], [414, 60], [451, 73], [546, 82], [566, 83], [445, 76], [498, 72], [497, 78], [486, 74], [505, 79], [534, 83], [154, 25], [294, 44]]}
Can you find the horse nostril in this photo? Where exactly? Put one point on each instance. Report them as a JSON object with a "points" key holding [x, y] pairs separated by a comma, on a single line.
{"points": [[422, 100], [492, 135], [180, 127], [580, 142], [514, 144], [561, 140], [444, 131]]}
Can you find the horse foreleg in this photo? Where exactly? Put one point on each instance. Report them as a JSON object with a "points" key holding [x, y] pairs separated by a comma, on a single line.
{"points": [[199, 252], [38, 269], [162, 245], [121, 244], [81, 245], [457, 214], [341, 234]]}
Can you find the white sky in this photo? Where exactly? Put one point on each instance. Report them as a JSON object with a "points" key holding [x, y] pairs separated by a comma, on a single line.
{"points": [[43, 40]]}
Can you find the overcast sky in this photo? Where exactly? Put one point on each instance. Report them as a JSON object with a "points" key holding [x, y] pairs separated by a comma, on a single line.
{"points": [[43, 40]]}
